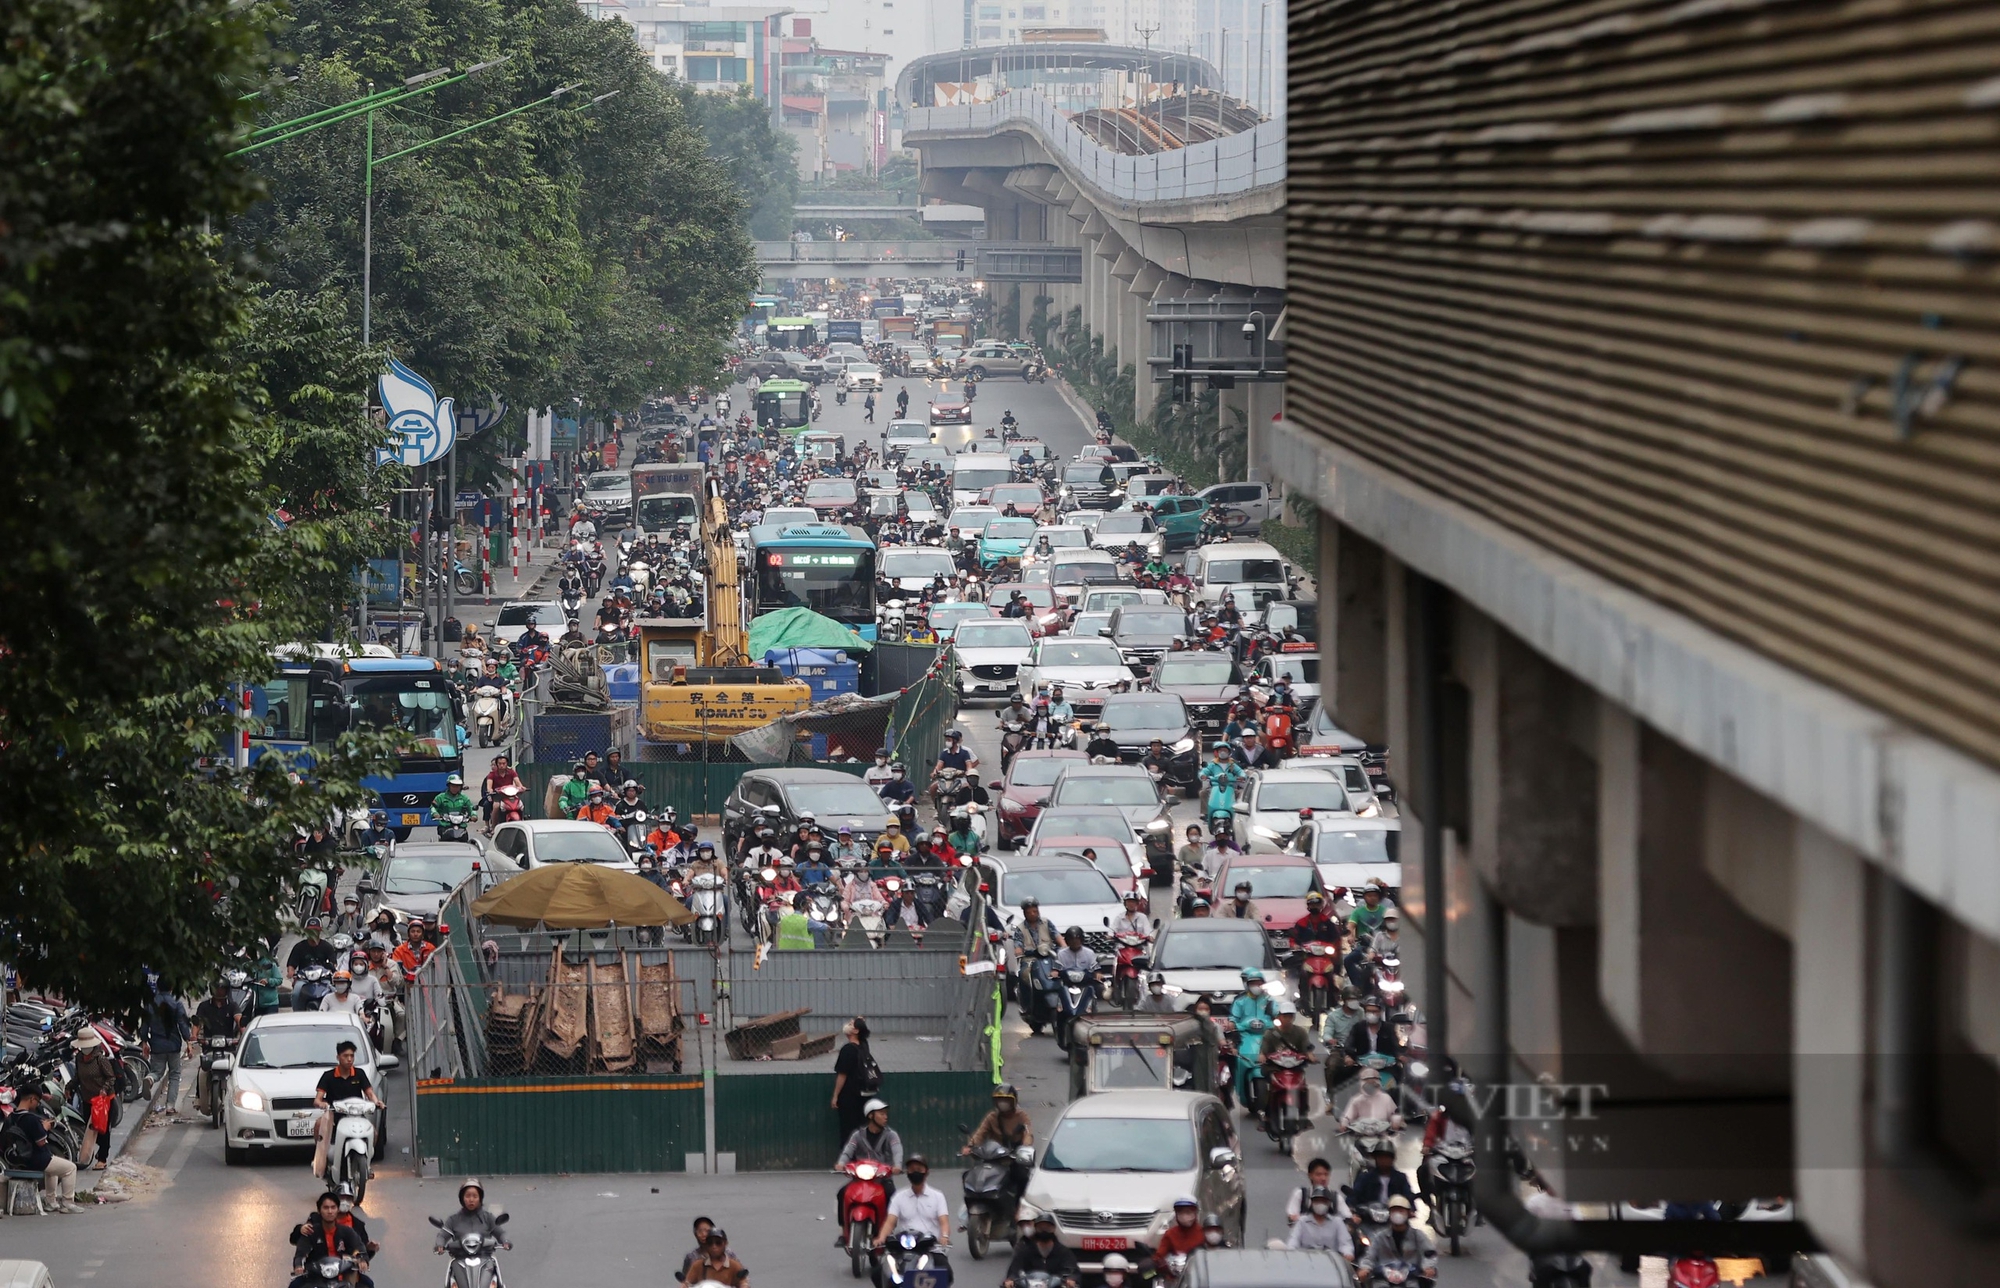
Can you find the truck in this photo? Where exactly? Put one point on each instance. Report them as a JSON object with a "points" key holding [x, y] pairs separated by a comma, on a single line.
{"points": [[956, 332], [844, 330], [667, 497], [697, 683], [899, 328]]}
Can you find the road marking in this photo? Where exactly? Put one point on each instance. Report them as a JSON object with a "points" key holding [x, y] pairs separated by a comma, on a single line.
{"points": [[178, 1159]]}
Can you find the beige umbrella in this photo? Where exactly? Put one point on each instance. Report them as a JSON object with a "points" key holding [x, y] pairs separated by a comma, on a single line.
{"points": [[579, 896]]}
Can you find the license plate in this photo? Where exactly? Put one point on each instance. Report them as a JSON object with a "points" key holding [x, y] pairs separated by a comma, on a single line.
{"points": [[413, 820], [1105, 1243], [299, 1127]]}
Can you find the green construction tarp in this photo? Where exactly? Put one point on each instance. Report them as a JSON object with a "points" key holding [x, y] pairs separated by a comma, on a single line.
{"points": [[801, 628]]}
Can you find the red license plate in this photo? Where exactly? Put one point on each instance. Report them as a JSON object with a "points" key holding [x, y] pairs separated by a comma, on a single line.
{"points": [[1104, 1243]]}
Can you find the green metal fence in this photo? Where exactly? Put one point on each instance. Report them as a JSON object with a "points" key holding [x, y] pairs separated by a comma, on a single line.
{"points": [[615, 1123], [781, 1122]]}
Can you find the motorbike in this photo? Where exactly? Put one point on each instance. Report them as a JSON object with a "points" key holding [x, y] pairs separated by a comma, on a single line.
{"points": [[866, 1201], [330, 1270], [823, 914], [1558, 1270], [1035, 989], [1452, 1170], [992, 1186], [311, 890], [1013, 737], [1361, 1138], [472, 1260], [1692, 1271], [489, 714], [354, 1144], [572, 604], [216, 1062], [1075, 995], [635, 832], [949, 790], [914, 1256], [1316, 973], [1278, 731], [869, 915], [1126, 980], [931, 894], [313, 983], [1285, 1100], [508, 806], [1397, 1273], [454, 825], [710, 926]]}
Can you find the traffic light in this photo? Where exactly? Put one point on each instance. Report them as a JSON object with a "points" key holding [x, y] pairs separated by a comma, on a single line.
{"points": [[961, 261]]}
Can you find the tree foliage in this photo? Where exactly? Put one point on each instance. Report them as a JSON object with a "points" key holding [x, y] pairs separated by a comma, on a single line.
{"points": [[761, 159]]}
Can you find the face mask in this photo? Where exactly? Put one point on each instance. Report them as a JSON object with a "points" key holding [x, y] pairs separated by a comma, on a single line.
{"points": [[1113, 1278], [1255, 989], [918, 1178], [1045, 1241], [1319, 1209], [346, 1207], [1399, 1218], [1202, 1012], [1212, 1238]]}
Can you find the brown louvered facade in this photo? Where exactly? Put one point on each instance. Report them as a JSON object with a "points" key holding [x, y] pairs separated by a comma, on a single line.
{"points": [[1702, 296]]}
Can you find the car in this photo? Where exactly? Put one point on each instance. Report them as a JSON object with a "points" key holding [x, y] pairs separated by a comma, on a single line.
{"points": [[830, 495], [537, 842], [1121, 529], [1207, 681], [606, 498], [1351, 852], [970, 520], [1137, 720], [1070, 571], [975, 473], [948, 357], [1087, 669], [1267, 807], [1301, 615], [517, 615], [1044, 617], [919, 506], [947, 617], [1209, 955], [1235, 563], [1320, 735], [1004, 540], [1020, 793], [1087, 625], [924, 453], [773, 364], [1132, 791], [953, 413], [989, 655], [1113, 1163], [900, 435], [1072, 893], [912, 568], [1267, 1268], [836, 800], [1140, 487], [419, 876], [917, 360], [1251, 599], [787, 515], [1301, 670], [1086, 485], [268, 1103], [991, 358], [1026, 498], [1114, 859], [1103, 599], [861, 378], [1142, 633], [1179, 519], [1050, 538], [1279, 884], [1253, 501]]}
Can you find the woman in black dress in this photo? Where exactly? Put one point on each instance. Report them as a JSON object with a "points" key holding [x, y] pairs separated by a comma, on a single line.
{"points": [[848, 1068]]}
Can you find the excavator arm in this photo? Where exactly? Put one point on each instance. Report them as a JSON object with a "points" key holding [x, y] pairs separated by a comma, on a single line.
{"points": [[726, 642]]}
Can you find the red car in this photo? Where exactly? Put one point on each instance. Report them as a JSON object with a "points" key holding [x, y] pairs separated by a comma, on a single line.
{"points": [[1021, 795], [1279, 884], [1047, 615], [951, 413]]}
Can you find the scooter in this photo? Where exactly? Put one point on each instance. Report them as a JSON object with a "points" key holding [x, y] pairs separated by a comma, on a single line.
{"points": [[1452, 1170], [868, 914], [1316, 974], [1075, 995], [489, 714], [931, 895], [823, 915], [508, 806], [314, 983], [1285, 1099], [993, 1185], [330, 1270], [1692, 1271], [1361, 1138], [216, 1063], [705, 893], [1126, 989], [472, 1261], [353, 1144], [914, 1259], [866, 1200], [312, 890], [1278, 732], [455, 825]]}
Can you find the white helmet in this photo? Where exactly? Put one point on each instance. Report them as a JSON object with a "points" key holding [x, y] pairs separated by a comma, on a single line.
{"points": [[873, 1105], [1116, 1261]]}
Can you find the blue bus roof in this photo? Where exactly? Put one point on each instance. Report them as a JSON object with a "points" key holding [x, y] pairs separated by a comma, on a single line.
{"points": [[392, 665], [778, 534]]}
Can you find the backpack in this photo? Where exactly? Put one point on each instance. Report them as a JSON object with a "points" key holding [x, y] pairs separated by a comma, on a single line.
{"points": [[870, 1077]]}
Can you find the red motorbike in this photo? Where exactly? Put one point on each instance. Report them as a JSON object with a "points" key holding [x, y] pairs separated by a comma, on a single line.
{"points": [[1278, 731], [1695, 1271], [508, 807], [866, 1203], [1316, 972], [1285, 1099], [1126, 986]]}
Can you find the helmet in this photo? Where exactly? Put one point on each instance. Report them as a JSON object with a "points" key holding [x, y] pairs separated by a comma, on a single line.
{"points": [[1211, 1221], [1116, 1261], [1031, 902], [1252, 975], [1287, 1007], [471, 1183], [1133, 896], [1006, 1091], [874, 1104], [1398, 1201], [807, 816], [456, 780], [1314, 897], [1074, 932], [1187, 1200], [630, 785]]}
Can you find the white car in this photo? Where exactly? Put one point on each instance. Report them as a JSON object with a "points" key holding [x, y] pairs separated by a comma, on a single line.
{"points": [[537, 842], [1350, 852], [517, 615], [904, 434], [1088, 669], [1267, 810], [1071, 892], [787, 515], [861, 377], [269, 1101], [1121, 528], [989, 655], [1210, 954], [1300, 669], [911, 568], [1071, 572], [1053, 537], [970, 520]]}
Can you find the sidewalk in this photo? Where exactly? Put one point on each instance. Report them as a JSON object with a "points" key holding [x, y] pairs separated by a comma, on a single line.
{"points": [[537, 581]]}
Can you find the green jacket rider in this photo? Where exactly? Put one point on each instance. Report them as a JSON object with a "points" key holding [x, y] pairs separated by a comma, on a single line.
{"points": [[575, 793], [450, 802]]}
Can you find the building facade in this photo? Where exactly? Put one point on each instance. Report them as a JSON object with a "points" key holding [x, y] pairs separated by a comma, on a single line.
{"points": [[716, 48]]}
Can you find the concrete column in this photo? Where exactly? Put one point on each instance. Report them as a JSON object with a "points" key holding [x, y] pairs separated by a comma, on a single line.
{"points": [[1353, 607], [1263, 402], [1618, 866], [1830, 1038]]}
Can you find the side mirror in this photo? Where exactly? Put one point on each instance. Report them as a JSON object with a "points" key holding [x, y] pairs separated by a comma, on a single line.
{"points": [[1221, 1156], [501, 1219], [365, 886], [438, 1223], [386, 1062], [1107, 921], [1156, 923]]}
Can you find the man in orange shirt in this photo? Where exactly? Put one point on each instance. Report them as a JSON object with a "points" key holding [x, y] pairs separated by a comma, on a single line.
{"points": [[414, 951]]}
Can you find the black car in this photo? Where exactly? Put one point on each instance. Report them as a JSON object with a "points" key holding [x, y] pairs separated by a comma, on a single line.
{"points": [[1206, 681], [1144, 632], [835, 800], [1086, 485], [1135, 720], [1266, 1268]]}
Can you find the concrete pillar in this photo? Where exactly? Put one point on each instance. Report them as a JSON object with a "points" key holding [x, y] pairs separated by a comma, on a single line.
{"points": [[1830, 1037], [1353, 607], [1263, 402]]}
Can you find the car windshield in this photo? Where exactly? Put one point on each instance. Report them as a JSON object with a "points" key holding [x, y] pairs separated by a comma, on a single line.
{"points": [[830, 490], [909, 429], [851, 797], [1373, 846], [1004, 529], [1054, 886], [1120, 1145], [1088, 623], [1083, 474], [605, 482], [1040, 596], [1297, 794], [971, 520], [1070, 567], [592, 846], [1038, 771], [1084, 820], [526, 614], [1078, 653], [977, 478], [863, 369], [1062, 538], [1298, 670], [1021, 495], [923, 561], [1195, 670], [1125, 523], [1146, 715], [1168, 622], [1273, 883], [303, 1046], [993, 634], [1237, 569], [425, 873], [945, 618], [1093, 790], [1237, 948]]}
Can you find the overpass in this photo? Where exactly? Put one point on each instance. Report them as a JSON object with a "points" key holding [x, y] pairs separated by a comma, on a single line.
{"points": [[981, 261], [1181, 247]]}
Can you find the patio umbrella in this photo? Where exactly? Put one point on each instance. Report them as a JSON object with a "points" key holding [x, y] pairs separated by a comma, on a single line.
{"points": [[579, 896]]}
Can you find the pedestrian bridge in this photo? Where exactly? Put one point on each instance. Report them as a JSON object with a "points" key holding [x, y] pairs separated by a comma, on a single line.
{"points": [[980, 261]]}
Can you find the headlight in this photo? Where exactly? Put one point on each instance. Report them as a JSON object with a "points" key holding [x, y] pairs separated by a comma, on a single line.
{"points": [[1273, 988], [1268, 833], [1185, 744], [1009, 805], [1158, 825], [250, 1100]]}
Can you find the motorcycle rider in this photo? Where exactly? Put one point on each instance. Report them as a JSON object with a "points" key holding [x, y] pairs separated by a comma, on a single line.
{"points": [[1135, 921], [452, 800], [1440, 1128], [1366, 916], [1220, 776], [215, 1017], [576, 792], [878, 773], [377, 832], [1193, 854], [892, 836], [1241, 905], [1402, 1241], [1060, 711], [472, 1217], [1373, 1100], [1289, 1035], [954, 755], [1340, 1021], [599, 808], [628, 807], [1043, 1252], [310, 951], [1373, 1036], [846, 847], [1157, 1001], [717, 1263], [1320, 1225], [1252, 1015], [899, 790], [343, 997], [1101, 742], [1006, 1123], [963, 837], [414, 951], [323, 1235], [919, 1208], [1181, 1236], [873, 1141], [344, 1081], [502, 774], [1317, 926]]}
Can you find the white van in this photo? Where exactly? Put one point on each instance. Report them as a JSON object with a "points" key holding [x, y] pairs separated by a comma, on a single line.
{"points": [[1236, 563], [974, 472]]}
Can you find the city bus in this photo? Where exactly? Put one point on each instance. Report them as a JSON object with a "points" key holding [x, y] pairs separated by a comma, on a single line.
{"points": [[827, 567], [791, 333], [307, 704], [784, 404]]}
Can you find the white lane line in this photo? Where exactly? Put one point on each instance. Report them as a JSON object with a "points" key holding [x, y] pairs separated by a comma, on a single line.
{"points": [[190, 1136]]}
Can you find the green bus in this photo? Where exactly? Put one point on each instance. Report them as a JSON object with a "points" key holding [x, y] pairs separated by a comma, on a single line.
{"points": [[784, 404], [791, 333]]}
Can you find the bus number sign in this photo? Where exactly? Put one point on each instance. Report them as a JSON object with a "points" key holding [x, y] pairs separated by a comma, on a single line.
{"points": [[811, 559]]}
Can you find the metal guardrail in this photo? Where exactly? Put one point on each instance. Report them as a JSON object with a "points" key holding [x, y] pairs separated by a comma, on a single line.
{"points": [[1228, 167]]}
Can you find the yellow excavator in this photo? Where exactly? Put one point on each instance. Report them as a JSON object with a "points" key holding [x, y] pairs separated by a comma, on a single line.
{"points": [[698, 683]]}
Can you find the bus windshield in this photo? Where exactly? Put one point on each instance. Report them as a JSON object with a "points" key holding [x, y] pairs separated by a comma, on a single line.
{"points": [[783, 407], [417, 705], [836, 582]]}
